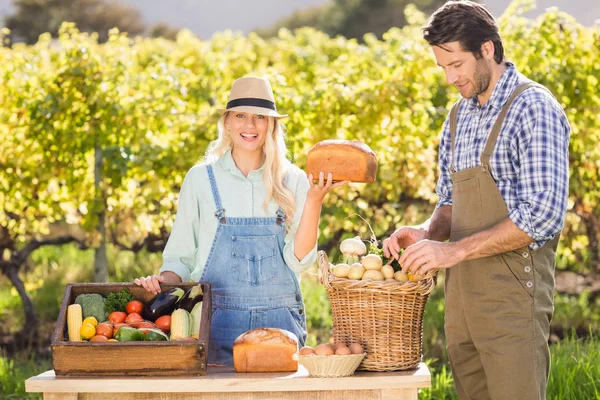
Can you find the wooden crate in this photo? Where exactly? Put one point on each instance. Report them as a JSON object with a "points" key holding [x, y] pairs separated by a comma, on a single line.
{"points": [[162, 358]]}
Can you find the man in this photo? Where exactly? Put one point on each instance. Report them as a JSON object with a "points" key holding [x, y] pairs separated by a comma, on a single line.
{"points": [[503, 191]]}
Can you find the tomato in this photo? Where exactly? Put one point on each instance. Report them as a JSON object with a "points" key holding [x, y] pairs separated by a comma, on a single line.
{"points": [[118, 326], [164, 323], [133, 318], [145, 326], [105, 329], [134, 306], [117, 317], [98, 338]]}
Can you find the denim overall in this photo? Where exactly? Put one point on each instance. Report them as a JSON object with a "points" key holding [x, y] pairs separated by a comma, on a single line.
{"points": [[252, 286]]}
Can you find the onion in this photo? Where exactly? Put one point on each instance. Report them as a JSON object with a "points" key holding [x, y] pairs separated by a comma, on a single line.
{"points": [[352, 248]]}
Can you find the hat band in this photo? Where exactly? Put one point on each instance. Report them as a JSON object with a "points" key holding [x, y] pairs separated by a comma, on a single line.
{"points": [[249, 101]]}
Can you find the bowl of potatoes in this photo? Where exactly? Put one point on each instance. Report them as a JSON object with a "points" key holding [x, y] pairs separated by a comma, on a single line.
{"points": [[331, 360]]}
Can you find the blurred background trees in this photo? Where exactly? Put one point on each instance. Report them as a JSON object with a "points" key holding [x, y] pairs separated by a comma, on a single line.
{"points": [[31, 18], [353, 18]]}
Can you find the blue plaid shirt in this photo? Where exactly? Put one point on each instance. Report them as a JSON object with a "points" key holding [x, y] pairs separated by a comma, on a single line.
{"points": [[530, 163]]}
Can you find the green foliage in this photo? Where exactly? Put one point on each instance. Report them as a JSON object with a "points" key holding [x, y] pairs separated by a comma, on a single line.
{"points": [[118, 301], [576, 312], [149, 104], [318, 310]]}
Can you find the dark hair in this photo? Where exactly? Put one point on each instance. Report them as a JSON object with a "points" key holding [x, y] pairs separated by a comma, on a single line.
{"points": [[465, 22]]}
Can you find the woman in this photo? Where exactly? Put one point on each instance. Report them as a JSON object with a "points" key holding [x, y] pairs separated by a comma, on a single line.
{"points": [[262, 213]]}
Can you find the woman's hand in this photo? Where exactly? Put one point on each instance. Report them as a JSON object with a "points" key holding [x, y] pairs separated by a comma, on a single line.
{"points": [[152, 282], [317, 191]]}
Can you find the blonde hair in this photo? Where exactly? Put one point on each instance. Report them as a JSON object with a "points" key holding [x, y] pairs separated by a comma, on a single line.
{"points": [[275, 167]]}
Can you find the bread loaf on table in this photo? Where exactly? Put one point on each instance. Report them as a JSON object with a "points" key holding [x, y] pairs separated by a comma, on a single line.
{"points": [[266, 350], [347, 160]]}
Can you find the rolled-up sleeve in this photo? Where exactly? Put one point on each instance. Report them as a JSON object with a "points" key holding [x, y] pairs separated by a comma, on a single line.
{"points": [[444, 183], [179, 255], [543, 178], [300, 190]]}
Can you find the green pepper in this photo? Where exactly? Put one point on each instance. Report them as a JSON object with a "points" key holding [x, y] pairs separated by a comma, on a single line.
{"points": [[128, 334], [155, 335]]}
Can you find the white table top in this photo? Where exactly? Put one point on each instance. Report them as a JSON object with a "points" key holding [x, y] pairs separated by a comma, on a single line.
{"points": [[226, 380]]}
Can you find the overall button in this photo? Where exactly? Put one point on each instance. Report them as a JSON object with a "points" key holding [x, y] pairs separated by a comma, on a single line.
{"points": [[300, 311], [525, 254], [298, 297], [527, 269], [529, 284]]}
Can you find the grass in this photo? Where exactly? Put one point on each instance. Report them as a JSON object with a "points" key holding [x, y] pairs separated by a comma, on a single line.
{"points": [[14, 372], [575, 369]]}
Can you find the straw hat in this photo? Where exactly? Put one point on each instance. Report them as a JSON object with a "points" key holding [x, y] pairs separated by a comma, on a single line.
{"points": [[252, 95]]}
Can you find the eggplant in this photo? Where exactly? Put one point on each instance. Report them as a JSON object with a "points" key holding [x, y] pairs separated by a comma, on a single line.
{"points": [[163, 304], [192, 297]]}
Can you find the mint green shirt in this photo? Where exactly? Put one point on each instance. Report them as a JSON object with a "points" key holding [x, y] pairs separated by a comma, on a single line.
{"points": [[195, 224]]}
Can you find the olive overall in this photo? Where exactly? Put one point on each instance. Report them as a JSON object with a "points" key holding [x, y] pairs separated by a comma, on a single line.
{"points": [[498, 309]]}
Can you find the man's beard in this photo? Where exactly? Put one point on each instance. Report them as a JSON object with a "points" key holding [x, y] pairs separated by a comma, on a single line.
{"points": [[481, 79]]}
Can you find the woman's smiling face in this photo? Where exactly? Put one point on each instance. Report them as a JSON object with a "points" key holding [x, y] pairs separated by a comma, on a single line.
{"points": [[248, 131]]}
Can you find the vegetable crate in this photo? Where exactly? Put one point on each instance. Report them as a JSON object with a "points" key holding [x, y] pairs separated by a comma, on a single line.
{"points": [[144, 358], [385, 317]]}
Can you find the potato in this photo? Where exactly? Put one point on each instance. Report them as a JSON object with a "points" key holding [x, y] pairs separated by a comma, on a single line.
{"points": [[372, 275], [401, 276], [306, 350], [343, 351], [372, 262], [356, 272], [324, 349], [356, 348], [387, 271], [341, 270]]}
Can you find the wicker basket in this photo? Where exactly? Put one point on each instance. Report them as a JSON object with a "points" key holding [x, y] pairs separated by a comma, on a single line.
{"points": [[386, 318]]}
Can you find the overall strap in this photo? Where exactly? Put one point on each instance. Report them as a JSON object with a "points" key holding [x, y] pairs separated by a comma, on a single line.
{"points": [[280, 217], [493, 138], [220, 213], [453, 124]]}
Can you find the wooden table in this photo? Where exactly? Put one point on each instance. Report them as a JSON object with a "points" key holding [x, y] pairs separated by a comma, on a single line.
{"points": [[224, 384]]}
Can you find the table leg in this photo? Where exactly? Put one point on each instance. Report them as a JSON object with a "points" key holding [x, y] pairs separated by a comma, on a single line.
{"points": [[61, 396], [399, 394]]}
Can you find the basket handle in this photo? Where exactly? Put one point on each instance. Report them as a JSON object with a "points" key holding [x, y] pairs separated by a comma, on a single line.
{"points": [[324, 270]]}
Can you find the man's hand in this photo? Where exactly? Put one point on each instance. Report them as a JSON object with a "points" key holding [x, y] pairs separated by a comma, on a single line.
{"points": [[402, 238], [428, 254]]}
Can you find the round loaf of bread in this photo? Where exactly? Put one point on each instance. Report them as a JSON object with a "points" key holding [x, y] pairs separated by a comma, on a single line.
{"points": [[266, 350], [347, 160]]}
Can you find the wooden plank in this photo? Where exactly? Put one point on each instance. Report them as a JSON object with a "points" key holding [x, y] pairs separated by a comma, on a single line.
{"points": [[223, 380], [60, 396], [399, 394], [306, 395], [139, 358]]}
